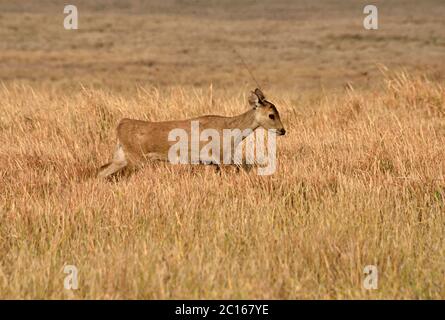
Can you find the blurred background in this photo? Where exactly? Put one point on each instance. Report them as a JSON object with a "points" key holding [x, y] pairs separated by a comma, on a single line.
{"points": [[288, 44]]}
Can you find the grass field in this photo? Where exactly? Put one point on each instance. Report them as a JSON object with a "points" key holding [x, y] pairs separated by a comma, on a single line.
{"points": [[361, 172]]}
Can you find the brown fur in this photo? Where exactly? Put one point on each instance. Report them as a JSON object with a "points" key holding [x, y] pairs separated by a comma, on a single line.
{"points": [[144, 140]]}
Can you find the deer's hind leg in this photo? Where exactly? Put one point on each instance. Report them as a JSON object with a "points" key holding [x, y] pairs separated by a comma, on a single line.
{"points": [[118, 163]]}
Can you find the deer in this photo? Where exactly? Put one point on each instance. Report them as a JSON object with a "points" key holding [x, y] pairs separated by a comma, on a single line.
{"points": [[139, 140]]}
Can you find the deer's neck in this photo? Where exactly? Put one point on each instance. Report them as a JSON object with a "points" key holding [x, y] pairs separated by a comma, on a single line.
{"points": [[243, 121]]}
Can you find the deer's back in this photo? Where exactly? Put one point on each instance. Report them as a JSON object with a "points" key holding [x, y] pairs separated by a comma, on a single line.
{"points": [[138, 136]]}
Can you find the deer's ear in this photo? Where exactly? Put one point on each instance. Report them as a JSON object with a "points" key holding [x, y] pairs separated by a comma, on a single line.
{"points": [[256, 98], [259, 94]]}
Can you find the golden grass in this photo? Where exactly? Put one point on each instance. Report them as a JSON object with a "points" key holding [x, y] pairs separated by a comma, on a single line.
{"points": [[360, 181]]}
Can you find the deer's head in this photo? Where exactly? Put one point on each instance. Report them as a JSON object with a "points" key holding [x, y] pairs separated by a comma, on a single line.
{"points": [[266, 114]]}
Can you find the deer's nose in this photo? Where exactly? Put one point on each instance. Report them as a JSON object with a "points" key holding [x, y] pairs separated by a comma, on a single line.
{"points": [[282, 132]]}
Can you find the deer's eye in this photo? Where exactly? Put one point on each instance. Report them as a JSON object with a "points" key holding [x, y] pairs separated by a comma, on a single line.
{"points": [[272, 116]]}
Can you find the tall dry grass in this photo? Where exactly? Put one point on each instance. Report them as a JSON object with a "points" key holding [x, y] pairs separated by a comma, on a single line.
{"points": [[360, 181]]}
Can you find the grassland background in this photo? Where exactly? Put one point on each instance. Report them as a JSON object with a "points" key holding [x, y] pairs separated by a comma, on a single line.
{"points": [[361, 171]]}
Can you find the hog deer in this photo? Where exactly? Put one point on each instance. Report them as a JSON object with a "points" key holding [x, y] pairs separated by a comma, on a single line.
{"points": [[144, 140]]}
